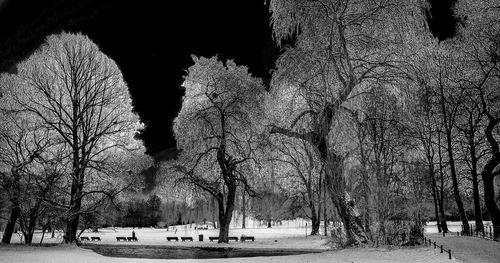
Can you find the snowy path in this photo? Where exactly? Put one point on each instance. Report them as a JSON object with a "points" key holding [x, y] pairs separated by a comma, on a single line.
{"points": [[469, 249]]}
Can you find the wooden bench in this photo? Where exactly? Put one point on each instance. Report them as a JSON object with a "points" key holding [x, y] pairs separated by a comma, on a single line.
{"points": [[187, 238], [213, 238], [84, 238], [245, 238], [131, 238], [233, 238], [172, 238], [121, 239], [95, 238]]}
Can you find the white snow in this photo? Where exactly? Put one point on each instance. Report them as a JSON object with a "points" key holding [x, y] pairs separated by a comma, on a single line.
{"points": [[469, 249], [278, 237]]}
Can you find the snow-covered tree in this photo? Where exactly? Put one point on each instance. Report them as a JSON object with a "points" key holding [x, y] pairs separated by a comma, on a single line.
{"points": [[218, 130], [341, 48], [78, 93]]}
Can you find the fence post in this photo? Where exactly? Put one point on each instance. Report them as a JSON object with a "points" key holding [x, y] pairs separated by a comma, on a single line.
{"points": [[441, 248], [434, 244], [491, 234], [449, 253], [458, 233]]}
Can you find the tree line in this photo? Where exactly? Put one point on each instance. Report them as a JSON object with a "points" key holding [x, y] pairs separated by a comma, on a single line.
{"points": [[365, 108]]}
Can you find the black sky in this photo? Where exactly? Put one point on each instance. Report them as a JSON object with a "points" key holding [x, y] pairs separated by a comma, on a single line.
{"points": [[152, 42]]}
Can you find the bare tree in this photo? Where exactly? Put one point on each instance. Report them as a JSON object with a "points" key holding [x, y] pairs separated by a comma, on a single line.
{"points": [[22, 142], [470, 123], [79, 94], [481, 48], [300, 174], [441, 69]]}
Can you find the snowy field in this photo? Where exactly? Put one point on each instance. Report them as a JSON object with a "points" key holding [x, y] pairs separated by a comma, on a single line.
{"points": [[453, 226], [286, 236]]}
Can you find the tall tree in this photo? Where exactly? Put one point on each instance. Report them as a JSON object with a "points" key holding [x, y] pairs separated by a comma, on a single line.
{"points": [[24, 147], [480, 40], [299, 173], [218, 132], [470, 123], [439, 74], [78, 93], [340, 48]]}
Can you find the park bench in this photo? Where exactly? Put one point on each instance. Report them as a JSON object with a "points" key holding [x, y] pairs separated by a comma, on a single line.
{"points": [[121, 239], [186, 238], [245, 238], [84, 238], [131, 238], [233, 238], [213, 238], [95, 238], [172, 238]]}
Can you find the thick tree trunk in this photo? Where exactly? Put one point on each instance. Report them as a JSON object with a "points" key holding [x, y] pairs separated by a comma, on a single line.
{"points": [[342, 202], [226, 213], [73, 220], [11, 223], [478, 215], [315, 222], [75, 204], [488, 174]]}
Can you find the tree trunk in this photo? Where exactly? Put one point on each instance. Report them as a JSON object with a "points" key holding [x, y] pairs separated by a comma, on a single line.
{"points": [[478, 215], [243, 209], [226, 213], [44, 228], [434, 195], [444, 225], [28, 233], [214, 217], [11, 223], [491, 205], [325, 220], [315, 222], [73, 220], [488, 174], [454, 180], [342, 202]]}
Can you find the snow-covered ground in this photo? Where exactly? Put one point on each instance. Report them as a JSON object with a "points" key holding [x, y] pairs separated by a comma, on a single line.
{"points": [[469, 249], [453, 226], [278, 237], [73, 254]]}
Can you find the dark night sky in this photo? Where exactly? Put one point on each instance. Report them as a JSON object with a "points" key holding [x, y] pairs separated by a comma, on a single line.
{"points": [[152, 42]]}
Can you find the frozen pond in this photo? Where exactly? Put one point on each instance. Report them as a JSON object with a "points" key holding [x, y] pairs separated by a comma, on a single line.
{"points": [[167, 252]]}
